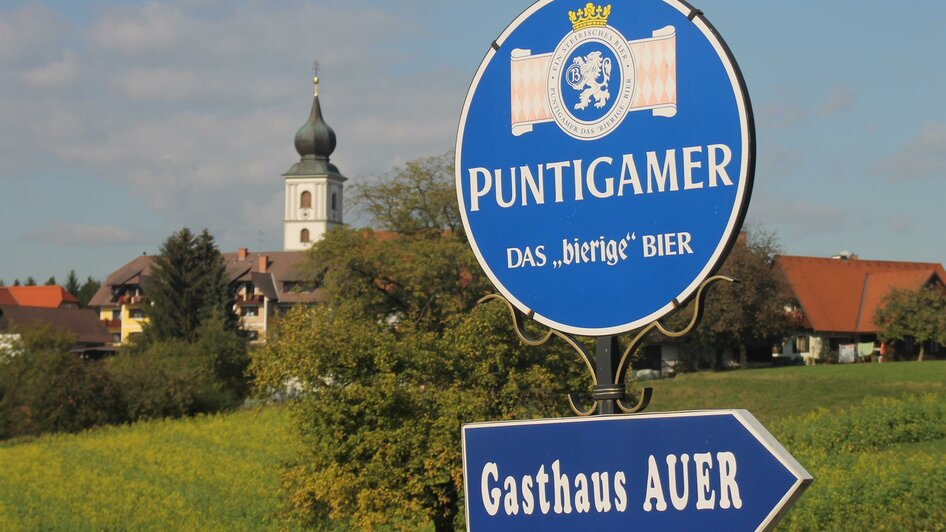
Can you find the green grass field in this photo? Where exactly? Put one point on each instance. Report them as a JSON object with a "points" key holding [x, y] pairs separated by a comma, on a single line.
{"points": [[873, 436], [774, 393]]}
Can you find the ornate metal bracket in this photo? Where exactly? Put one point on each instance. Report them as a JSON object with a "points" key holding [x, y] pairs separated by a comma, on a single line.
{"points": [[608, 394]]}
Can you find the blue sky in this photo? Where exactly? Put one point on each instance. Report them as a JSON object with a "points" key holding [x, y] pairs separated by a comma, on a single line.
{"points": [[121, 122]]}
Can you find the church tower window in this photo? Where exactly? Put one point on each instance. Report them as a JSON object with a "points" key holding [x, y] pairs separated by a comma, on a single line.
{"points": [[334, 207], [305, 200], [304, 236]]}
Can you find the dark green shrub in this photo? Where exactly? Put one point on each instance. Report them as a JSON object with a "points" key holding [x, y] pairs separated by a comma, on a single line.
{"points": [[52, 391], [160, 381]]}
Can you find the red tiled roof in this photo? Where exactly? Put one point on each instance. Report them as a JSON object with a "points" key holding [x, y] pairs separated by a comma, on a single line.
{"points": [[842, 295], [5, 297], [52, 296]]}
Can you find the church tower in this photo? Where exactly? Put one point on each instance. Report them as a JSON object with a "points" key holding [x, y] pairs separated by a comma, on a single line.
{"points": [[313, 185]]}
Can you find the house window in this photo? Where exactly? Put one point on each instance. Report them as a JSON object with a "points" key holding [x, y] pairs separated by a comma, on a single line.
{"points": [[250, 311], [116, 314], [252, 335], [136, 314], [304, 236], [305, 200], [117, 338], [801, 344]]}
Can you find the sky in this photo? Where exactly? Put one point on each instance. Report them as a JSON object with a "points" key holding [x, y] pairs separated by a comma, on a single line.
{"points": [[121, 122]]}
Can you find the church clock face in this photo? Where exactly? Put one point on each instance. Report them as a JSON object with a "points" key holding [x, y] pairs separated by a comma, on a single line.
{"points": [[304, 213]]}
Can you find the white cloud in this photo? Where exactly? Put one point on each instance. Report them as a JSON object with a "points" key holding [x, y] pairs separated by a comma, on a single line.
{"points": [[135, 30], [29, 31], [56, 73], [924, 156], [82, 235]]}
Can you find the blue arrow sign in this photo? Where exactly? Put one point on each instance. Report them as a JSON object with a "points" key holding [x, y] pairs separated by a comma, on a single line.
{"points": [[699, 470], [604, 161]]}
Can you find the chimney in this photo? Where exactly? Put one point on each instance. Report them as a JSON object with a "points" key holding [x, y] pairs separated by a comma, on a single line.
{"points": [[241, 254], [263, 261]]}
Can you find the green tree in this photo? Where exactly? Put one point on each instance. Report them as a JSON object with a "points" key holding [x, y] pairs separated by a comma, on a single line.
{"points": [[16, 282], [51, 281], [747, 314], [46, 388], [189, 283], [87, 291], [918, 314], [417, 197], [72, 284], [398, 357], [30, 281]]}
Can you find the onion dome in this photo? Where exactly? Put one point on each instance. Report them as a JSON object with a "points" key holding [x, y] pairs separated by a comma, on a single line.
{"points": [[315, 142]]}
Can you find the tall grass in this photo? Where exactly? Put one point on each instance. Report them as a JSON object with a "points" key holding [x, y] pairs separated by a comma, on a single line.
{"points": [[204, 473]]}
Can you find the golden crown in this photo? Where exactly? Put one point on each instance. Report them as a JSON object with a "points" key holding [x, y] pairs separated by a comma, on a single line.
{"points": [[591, 15]]}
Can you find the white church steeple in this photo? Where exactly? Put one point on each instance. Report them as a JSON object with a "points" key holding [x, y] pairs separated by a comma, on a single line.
{"points": [[314, 186]]}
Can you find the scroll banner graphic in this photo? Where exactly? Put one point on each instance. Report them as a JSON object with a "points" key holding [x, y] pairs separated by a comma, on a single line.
{"points": [[655, 86]]}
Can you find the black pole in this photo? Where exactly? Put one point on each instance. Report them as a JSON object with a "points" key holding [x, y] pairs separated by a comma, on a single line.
{"points": [[607, 357]]}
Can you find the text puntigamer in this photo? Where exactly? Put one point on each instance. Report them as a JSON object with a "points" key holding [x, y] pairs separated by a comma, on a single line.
{"points": [[602, 177]]}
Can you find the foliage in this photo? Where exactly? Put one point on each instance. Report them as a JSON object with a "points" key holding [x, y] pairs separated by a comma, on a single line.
{"points": [[415, 198], [189, 282], [173, 378], [45, 388], [421, 279], [201, 473], [30, 281], [87, 291], [37, 336], [72, 284], [877, 465], [381, 415], [918, 314], [750, 313]]}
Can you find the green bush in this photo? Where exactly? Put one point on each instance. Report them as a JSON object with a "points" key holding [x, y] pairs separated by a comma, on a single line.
{"points": [[877, 465], [873, 424], [54, 391], [175, 378], [160, 381]]}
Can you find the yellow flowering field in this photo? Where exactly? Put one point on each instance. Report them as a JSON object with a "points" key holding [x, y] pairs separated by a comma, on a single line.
{"points": [[204, 473]]}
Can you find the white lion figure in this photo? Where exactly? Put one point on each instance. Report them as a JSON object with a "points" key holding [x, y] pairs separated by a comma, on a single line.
{"points": [[592, 66]]}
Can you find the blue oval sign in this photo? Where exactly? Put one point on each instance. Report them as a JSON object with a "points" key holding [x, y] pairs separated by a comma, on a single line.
{"points": [[604, 161]]}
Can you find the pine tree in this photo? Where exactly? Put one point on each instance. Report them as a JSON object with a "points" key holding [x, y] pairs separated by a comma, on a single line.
{"points": [[16, 282], [87, 290], [72, 284], [51, 281], [30, 281], [189, 282]]}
